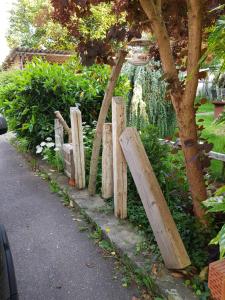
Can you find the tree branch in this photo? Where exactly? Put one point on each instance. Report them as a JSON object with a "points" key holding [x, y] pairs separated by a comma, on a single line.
{"points": [[194, 49], [101, 120], [160, 31], [64, 124], [158, 4]]}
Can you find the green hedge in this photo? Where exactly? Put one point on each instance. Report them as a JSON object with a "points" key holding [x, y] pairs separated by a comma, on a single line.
{"points": [[29, 98]]}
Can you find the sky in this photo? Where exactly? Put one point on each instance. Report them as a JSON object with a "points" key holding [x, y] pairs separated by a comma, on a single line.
{"points": [[5, 6]]}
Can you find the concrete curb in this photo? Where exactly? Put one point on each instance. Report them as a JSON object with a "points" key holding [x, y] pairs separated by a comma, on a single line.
{"points": [[121, 234]]}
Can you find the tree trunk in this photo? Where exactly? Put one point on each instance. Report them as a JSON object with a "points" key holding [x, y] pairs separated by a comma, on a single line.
{"points": [[183, 102], [189, 142]]}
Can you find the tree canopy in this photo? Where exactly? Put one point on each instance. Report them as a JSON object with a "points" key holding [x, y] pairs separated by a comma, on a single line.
{"points": [[129, 21], [31, 26], [178, 30]]}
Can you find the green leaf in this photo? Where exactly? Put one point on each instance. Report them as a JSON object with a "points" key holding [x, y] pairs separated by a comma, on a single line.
{"points": [[220, 191], [220, 239]]}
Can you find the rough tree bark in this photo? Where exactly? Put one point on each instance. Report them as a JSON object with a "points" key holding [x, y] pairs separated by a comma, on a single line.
{"points": [[183, 101], [101, 120]]}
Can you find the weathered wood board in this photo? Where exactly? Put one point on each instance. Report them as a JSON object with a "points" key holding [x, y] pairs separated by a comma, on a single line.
{"points": [[119, 162], [59, 137], [107, 162], [78, 147], [159, 216], [69, 168]]}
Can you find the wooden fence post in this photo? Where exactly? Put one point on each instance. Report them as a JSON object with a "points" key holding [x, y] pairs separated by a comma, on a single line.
{"points": [[119, 162], [78, 147], [59, 138], [107, 162], [158, 213]]}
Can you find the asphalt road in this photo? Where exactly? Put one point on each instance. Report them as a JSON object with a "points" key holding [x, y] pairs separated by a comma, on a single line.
{"points": [[52, 258]]}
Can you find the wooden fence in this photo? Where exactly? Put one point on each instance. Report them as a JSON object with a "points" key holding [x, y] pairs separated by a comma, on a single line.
{"points": [[122, 146], [212, 154]]}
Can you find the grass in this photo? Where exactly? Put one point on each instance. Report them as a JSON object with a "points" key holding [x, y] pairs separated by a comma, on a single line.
{"points": [[207, 107], [214, 133]]}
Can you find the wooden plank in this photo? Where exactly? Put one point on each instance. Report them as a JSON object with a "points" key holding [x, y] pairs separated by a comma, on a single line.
{"points": [[217, 156], [69, 168], [59, 138], [78, 147], [101, 120], [159, 216], [107, 162], [119, 162]]}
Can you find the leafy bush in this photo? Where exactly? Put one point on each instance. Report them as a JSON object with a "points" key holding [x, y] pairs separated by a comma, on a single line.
{"points": [[216, 204], [29, 97]]}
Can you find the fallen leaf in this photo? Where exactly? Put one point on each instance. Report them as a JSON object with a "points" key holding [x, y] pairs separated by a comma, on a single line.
{"points": [[204, 273], [203, 100], [177, 275], [154, 269], [107, 229]]}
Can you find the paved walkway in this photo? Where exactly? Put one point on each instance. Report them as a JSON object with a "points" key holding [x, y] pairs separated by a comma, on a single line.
{"points": [[53, 259]]}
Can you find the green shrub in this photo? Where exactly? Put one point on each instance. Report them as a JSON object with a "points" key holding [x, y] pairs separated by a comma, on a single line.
{"points": [[216, 204], [29, 98]]}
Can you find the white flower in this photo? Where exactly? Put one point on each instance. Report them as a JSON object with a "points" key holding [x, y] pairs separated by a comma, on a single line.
{"points": [[43, 144], [50, 145], [56, 149], [48, 139], [219, 199], [38, 149]]}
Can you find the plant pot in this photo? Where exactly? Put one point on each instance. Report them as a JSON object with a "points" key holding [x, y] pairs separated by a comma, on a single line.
{"points": [[218, 108], [216, 280]]}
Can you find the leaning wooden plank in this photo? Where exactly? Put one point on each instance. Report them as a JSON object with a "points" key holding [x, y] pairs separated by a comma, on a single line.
{"points": [[101, 120], [159, 216], [119, 162], [78, 147], [64, 124], [107, 162]]}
